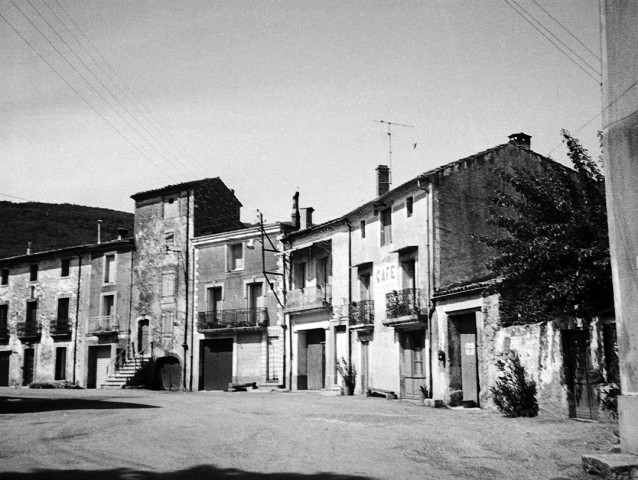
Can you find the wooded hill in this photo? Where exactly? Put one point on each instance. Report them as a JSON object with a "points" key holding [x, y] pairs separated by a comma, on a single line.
{"points": [[49, 226]]}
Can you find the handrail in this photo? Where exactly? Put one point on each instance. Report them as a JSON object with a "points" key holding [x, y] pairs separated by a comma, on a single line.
{"points": [[125, 354]]}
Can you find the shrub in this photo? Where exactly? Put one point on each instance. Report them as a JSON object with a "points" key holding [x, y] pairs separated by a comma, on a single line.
{"points": [[64, 384], [514, 393]]}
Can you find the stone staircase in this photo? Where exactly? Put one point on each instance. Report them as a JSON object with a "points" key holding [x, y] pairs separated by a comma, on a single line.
{"points": [[125, 374]]}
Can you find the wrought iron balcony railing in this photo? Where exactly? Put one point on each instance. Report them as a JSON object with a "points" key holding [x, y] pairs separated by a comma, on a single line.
{"points": [[28, 329], [309, 297], [104, 324], [60, 327], [232, 318], [362, 312], [403, 303]]}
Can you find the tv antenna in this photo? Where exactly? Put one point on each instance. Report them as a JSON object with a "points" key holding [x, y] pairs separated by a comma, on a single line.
{"points": [[389, 132]]}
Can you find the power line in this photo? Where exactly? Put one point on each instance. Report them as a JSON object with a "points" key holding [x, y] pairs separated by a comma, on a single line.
{"points": [[567, 30], [597, 80], [96, 78], [145, 111], [83, 98]]}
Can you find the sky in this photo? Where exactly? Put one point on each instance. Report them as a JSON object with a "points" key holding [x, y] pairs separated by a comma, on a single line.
{"points": [[101, 99]]}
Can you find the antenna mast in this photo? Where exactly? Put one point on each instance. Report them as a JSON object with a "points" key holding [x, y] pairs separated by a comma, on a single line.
{"points": [[389, 132]]}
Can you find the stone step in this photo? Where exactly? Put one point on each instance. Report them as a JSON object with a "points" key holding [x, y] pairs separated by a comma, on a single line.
{"points": [[611, 465]]}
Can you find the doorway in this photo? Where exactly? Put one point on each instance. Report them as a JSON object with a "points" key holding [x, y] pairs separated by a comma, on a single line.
{"points": [[316, 358], [5, 359], [29, 366], [412, 370], [463, 359], [143, 336], [577, 368], [216, 364], [99, 360]]}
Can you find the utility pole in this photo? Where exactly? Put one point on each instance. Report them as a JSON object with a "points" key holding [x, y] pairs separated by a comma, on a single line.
{"points": [[389, 132]]}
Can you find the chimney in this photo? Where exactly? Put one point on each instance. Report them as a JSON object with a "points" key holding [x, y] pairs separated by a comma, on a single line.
{"points": [[99, 231], [295, 211], [521, 139], [122, 233], [29, 250], [306, 218], [383, 180]]}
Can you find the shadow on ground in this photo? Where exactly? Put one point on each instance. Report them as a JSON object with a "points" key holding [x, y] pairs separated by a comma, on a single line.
{"points": [[33, 405], [199, 472]]}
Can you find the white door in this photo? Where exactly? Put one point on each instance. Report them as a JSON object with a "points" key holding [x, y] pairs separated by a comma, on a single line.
{"points": [[103, 358]]}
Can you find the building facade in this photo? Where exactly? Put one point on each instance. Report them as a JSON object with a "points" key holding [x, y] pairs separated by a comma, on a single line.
{"points": [[64, 313]]}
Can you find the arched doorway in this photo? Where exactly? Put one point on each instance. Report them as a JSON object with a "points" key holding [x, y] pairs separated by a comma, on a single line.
{"points": [[169, 372], [143, 337]]}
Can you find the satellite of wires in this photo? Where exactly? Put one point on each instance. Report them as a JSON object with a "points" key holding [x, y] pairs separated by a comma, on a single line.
{"points": [[570, 45], [56, 38]]}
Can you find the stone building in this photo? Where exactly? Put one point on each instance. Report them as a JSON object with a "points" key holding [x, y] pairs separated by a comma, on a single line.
{"points": [[64, 313], [397, 285], [166, 221], [238, 334]]}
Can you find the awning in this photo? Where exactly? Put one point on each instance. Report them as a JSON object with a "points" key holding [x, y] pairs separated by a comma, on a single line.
{"points": [[362, 265], [406, 249]]}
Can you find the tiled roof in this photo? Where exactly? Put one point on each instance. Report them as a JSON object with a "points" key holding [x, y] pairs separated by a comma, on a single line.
{"points": [[171, 188], [64, 250]]}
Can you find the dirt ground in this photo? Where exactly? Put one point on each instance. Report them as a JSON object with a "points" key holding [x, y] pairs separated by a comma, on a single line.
{"points": [[138, 434]]}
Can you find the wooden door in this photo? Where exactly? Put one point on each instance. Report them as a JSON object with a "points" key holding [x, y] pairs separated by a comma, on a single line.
{"points": [[412, 364], [5, 358], [216, 370], [469, 367], [170, 373], [577, 365], [316, 358], [365, 368], [99, 360], [29, 366]]}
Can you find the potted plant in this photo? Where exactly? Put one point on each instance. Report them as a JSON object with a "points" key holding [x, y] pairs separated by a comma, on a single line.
{"points": [[348, 376]]}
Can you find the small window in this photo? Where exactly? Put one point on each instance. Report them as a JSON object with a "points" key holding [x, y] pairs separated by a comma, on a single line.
{"points": [[108, 305], [168, 284], [409, 206], [109, 268], [168, 320], [32, 312], [33, 273], [5, 276], [386, 226], [169, 241], [236, 257], [362, 227], [63, 309], [64, 267], [171, 207], [4, 321], [300, 275]]}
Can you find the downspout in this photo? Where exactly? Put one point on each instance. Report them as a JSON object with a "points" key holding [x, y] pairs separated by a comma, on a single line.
{"points": [[428, 224], [77, 317], [349, 225], [186, 285], [130, 305]]}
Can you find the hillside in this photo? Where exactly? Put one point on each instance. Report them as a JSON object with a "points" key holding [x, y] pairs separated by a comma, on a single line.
{"points": [[50, 225]]}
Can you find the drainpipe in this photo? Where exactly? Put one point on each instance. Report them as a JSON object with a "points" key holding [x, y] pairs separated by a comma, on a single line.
{"points": [[77, 317], [186, 284], [429, 222], [130, 308], [349, 225]]}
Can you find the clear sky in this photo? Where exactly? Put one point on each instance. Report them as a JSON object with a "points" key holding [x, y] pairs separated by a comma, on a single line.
{"points": [[272, 96]]}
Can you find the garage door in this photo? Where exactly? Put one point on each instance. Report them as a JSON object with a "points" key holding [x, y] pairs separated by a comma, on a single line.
{"points": [[216, 364]]}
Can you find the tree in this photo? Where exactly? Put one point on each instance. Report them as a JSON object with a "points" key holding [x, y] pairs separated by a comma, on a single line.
{"points": [[553, 256]]}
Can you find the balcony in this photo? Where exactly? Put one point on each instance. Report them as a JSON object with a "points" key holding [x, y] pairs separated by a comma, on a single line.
{"points": [[309, 298], [403, 307], [28, 330], [362, 314], [60, 327], [236, 319], [104, 325]]}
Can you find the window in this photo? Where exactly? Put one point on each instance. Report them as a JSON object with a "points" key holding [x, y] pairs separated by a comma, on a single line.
{"points": [[5, 276], [364, 284], [168, 318], [64, 267], [386, 226], [32, 312], [362, 227], [4, 321], [60, 363], [323, 273], [214, 299], [168, 284], [300, 275], [409, 206], [236, 257], [63, 310], [33, 273], [109, 268], [169, 241], [108, 305]]}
